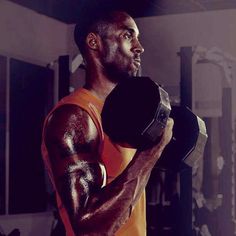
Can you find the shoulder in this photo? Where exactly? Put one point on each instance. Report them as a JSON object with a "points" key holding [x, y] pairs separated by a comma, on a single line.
{"points": [[69, 117], [70, 130]]}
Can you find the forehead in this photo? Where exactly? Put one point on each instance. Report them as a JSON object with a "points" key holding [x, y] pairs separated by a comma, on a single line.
{"points": [[123, 21]]}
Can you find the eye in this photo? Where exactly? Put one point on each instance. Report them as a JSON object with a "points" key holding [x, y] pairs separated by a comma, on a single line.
{"points": [[128, 35]]}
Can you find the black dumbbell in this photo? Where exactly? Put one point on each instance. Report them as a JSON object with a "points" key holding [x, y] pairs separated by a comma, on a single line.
{"points": [[136, 112], [188, 142]]}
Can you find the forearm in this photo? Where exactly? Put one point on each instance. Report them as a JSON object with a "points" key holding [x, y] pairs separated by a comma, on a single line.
{"points": [[109, 208]]}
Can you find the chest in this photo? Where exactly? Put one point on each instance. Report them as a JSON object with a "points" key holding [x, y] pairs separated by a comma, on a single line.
{"points": [[115, 158]]}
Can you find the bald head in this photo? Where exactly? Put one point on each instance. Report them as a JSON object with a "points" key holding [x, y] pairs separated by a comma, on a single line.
{"points": [[98, 23]]}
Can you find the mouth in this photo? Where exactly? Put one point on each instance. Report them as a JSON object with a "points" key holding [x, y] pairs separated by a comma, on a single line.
{"points": [[137, 62]]}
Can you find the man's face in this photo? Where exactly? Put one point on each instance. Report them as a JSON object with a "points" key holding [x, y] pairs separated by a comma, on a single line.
{"points": [[121, 48]]}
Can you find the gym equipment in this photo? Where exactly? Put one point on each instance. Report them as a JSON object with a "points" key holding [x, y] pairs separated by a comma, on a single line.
{"points": [[136, 112], [188, 142]]}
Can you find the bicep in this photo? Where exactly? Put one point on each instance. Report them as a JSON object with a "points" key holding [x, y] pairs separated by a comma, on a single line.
{"points": [[81, 181], [73, 143]]}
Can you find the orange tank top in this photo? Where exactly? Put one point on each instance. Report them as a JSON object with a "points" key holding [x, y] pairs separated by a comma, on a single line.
{"points": [[114, 157]]}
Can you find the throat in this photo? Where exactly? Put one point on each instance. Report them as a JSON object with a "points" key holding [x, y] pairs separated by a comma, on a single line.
{"points": [[100, 90]]}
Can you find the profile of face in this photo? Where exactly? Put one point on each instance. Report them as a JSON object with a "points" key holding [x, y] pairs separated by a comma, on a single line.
{"points": [[121, 49]]}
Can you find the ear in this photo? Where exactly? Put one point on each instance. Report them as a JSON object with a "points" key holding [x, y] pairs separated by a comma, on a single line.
{"points": [[93, 41]]}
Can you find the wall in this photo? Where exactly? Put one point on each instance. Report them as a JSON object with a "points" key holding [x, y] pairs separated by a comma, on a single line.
{"points": [[30, 36], [29, 224], [163, 36], [27, 34]]}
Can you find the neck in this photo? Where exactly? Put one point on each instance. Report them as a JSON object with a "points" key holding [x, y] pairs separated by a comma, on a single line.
{"points": [[98, 83]]}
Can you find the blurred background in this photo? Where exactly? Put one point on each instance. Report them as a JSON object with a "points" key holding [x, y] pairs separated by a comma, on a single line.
{"points": [[190, 49]]}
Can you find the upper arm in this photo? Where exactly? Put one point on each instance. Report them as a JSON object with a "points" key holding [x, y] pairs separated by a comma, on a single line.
{"points": [[73, 144]]}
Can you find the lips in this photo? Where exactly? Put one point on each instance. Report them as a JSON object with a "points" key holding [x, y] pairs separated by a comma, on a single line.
{"points": [[137, 62]]}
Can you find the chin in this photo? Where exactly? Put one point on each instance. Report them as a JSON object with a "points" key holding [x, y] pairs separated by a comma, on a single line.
{"points": [[133, 73]]}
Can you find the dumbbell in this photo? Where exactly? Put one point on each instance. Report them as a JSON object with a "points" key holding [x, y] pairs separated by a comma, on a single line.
{"points": [[136, 113], [188, 142]]}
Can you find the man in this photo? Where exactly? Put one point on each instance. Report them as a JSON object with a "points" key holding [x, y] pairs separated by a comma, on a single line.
{"points": [[99, 184]]}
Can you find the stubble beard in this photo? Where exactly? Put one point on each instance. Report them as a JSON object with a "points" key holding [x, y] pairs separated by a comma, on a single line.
{"points": [[115, 64], [118, 71]]}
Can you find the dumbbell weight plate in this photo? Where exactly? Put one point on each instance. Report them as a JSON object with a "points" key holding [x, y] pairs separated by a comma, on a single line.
{"points": [[189, 140], [136, 112]]}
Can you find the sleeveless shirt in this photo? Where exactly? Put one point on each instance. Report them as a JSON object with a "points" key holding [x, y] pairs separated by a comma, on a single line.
{"points": [[114, 157]]}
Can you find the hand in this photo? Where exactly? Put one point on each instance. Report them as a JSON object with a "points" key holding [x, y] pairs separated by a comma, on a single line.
{"points": [[167, 134], [157, 149]]}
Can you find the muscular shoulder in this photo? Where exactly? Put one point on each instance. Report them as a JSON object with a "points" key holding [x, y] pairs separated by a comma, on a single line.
{"points": [[70, 131]]}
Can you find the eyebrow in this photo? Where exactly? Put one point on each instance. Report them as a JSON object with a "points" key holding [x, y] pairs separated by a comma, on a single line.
{"points": [[131, 30]]}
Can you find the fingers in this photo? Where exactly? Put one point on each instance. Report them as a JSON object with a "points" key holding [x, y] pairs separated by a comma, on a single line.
{"points": [[157, 149], [168, 132], [169, 125]]}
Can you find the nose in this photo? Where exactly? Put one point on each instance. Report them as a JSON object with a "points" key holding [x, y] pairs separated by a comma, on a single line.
{"points": [[138, 48]]}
